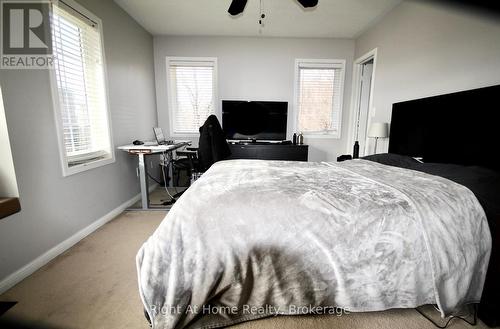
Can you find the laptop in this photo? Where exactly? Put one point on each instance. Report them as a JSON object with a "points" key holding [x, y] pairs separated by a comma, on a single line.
{"points": [[160, 138]]}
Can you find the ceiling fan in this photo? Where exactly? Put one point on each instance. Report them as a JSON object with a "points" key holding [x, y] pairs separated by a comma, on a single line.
{"points": [[237, 6]]}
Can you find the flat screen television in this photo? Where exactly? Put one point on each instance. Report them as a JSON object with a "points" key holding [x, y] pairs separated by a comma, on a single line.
{"points": [[244, 120]]}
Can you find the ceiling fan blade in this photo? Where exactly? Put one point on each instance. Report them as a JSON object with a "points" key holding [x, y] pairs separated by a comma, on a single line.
{"points": [[237, 7], [308, 3]]}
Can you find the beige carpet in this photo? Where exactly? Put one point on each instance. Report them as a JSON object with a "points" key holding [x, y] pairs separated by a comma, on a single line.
{"points": [[158, 196], [94, 285]]}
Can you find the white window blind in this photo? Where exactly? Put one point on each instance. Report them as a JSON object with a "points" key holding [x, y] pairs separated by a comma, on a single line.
{"points": [[191, 92], [319, 97], [79, 71]]}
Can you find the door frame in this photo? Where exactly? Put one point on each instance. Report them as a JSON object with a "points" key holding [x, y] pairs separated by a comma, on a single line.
{"points": [[356, 93]]}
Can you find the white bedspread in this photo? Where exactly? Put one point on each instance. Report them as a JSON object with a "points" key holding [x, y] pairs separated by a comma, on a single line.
{"points": [[284, 237]]}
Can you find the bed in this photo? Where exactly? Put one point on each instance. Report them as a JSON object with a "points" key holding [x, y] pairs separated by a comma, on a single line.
{"points": [[358, 235], [252, 239]]}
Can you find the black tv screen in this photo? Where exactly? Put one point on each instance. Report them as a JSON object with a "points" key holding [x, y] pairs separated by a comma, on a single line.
{"points": [[242, 120]]}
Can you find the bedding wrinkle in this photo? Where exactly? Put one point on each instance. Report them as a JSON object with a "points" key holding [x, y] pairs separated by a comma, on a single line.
{"points": [[417, 219], [451, 236], [333, 263], [319, 202]]}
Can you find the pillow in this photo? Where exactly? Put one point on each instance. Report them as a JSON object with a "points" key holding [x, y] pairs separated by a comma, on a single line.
{"points": [[391, 159]]}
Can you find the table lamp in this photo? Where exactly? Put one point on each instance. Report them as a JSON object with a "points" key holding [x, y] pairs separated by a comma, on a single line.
{"points": [[378, 130]]}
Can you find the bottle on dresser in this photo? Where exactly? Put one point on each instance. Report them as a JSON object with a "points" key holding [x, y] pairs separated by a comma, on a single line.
{"points": [[300, 139]]}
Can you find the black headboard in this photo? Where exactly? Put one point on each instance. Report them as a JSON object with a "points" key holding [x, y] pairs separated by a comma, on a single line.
{"points": [[461, 128]]}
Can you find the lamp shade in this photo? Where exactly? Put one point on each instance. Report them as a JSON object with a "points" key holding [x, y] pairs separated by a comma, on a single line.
{"points": [[379, 130]]}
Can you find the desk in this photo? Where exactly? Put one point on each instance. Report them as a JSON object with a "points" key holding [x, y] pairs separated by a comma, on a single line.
{"points": [[141, 151]]}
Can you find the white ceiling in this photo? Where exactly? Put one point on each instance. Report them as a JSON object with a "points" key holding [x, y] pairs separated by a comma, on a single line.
{"points": [[285, 18]]}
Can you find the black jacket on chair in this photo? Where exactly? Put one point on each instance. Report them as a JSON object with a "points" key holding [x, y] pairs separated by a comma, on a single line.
{"points": [[212, 146]]}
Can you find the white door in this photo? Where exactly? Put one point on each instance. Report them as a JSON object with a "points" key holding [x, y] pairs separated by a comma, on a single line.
{"points": [[364, 106]]}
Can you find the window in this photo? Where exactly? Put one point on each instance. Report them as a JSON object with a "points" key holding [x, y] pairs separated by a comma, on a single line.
{"points": [[319, 88], [191, 92], [8, 182], [79, 86]]}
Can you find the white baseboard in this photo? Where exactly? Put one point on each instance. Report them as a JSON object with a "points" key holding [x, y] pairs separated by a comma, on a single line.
{"points": [[46, 257]]}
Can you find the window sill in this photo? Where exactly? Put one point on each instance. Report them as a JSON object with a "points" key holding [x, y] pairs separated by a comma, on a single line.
{"points": [[9, 206], [318, 136], [184, 135], [68, 171]]}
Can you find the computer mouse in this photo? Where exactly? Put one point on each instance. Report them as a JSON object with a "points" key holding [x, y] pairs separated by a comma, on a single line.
{"points": [[137, 142]]}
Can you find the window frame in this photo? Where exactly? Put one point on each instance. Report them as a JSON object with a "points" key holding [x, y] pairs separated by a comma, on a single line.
{"points": [[171, 93], [92, 164], [319, 63]]}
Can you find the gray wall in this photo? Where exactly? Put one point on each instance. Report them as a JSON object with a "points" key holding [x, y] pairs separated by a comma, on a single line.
{"points": [[425, 49], [257, 69], [56, 207]]}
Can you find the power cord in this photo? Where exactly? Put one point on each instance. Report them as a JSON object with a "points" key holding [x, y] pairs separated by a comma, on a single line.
{"points": [[169, 163], [166, 163], [153, 178], [159, 183], [451, 317], [172, 199]]}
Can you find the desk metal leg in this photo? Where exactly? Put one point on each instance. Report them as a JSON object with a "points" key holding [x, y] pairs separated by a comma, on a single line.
{"points": [[144, 182]]}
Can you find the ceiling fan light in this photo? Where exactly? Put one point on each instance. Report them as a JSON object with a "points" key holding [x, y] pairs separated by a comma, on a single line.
{"points": [[237, 7], [308, 3]]}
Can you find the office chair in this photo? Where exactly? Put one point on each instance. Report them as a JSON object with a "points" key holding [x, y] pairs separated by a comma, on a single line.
{"points": [[186, 161], [212, 147]]}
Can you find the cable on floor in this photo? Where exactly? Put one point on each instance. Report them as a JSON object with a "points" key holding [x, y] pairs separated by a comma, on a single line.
{"points": [[451, 317]]}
